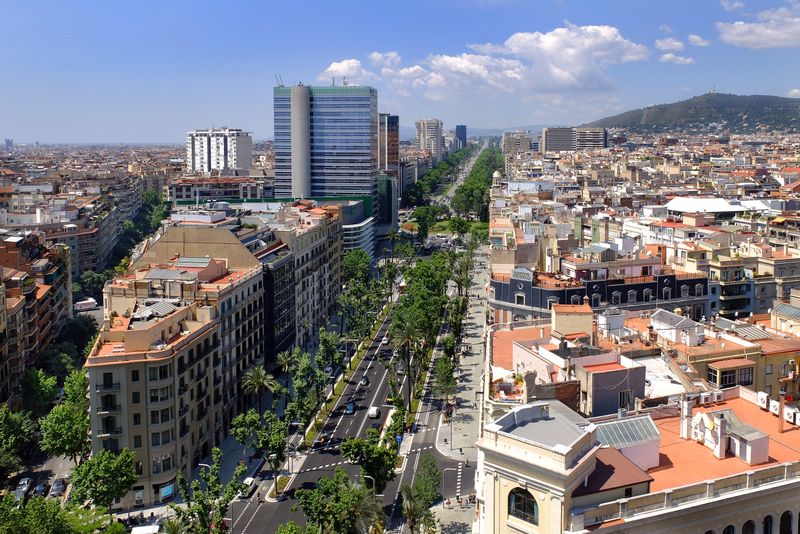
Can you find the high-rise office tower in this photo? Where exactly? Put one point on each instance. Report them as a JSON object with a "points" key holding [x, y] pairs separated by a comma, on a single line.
{"points": [[589, 138], [222, 149], [556, 140], [461, 135], [389, 144], [326, 141], [9, 144], [429, 136]]}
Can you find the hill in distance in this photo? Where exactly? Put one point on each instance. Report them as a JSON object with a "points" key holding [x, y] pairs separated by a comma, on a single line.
{"points": [[734, 113]]}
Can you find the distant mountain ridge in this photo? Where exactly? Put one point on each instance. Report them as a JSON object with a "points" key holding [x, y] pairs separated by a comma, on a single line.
{"points": [[735, 113]]}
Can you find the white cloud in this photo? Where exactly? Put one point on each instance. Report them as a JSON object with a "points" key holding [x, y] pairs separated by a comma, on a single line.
{"points": [[794, 93], [731, 5], [347, 68], [696, 40], [774, 28], [677, 60], [669, 43], [568, 58], [665, 29], [385, 59]]}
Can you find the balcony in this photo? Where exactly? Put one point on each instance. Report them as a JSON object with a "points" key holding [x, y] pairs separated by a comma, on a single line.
{"points": [[104, 388], [108, 432], [184, 431], [106, 409], [182, 389], [202, 374], [183, 411]]}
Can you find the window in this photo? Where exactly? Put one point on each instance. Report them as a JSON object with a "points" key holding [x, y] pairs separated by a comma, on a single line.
{"points": [[159, 394], [154, 417], [519, 299], [522, 505], [632, 295], [550, 302], [767, 525], [596, 300], [616, 298], [698, 290], [628, 492], [727, 379], [714, 290], [135, 375], [768, 369], [666, 293], [625, 399], [746, 376], [137, 419], [647, 295], [711, 376], [135, 398], [575, 299], [684, 291], [137, 442]]}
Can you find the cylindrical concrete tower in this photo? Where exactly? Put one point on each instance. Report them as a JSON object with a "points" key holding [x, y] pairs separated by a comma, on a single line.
{"points": [[301, 141]]}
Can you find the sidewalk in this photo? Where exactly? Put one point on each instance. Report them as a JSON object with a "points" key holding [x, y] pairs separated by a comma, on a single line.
{"points": [[456, 438], [455, 519]]}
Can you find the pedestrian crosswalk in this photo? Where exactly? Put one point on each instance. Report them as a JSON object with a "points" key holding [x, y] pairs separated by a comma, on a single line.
{"points": [[336, 464]]}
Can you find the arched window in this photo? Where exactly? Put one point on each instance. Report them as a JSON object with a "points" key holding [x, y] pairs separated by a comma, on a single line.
{"points": [[684, 291], [698, 290], [596, 300], [616, 298], [749, 527], [632, 295], [786, 523], [709, 532], [522, 505], [648, 295], [666, 293], [767, 524], [730, 529], [575, 299]]}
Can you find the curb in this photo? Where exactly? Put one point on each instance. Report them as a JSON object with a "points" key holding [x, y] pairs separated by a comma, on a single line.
{"points": [[402, 468], [282, 496]]}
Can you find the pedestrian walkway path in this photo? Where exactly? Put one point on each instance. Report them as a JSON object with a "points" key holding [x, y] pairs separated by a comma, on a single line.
{"points": [[456, 438]]}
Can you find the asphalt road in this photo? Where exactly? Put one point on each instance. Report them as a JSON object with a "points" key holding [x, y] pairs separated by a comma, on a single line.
{"points": [[251, 517]]}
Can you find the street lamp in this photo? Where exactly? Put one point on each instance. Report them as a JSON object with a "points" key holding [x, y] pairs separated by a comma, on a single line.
{"points": [[373, 485], [443, 472]]}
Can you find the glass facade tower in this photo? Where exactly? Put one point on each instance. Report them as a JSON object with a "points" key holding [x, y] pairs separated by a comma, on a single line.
{"points": [[326, 141]]}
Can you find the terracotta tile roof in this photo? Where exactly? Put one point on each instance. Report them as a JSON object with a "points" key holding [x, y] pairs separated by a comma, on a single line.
{"points": [[503, 342], [612, 471], [572, 308]]}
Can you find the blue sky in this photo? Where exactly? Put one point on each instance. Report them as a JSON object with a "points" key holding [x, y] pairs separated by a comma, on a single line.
{"points": [[144, 71]]}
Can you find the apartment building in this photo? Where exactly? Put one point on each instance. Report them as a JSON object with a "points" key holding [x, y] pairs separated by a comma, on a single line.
{"points": [[36, 302], [150, 390], [202, 189], [220, 149], [429, 137], [556, 140]]}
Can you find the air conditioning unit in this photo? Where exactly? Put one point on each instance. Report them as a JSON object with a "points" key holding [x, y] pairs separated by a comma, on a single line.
{"points": [[790, 413], [705, 398], [716, 396], [774, 406], [763, 399]]}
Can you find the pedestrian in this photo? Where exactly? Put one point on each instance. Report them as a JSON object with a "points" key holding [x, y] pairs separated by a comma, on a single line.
{"points": [[258, 496]]}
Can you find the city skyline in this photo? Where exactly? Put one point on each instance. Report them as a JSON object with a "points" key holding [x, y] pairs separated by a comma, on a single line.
{"points": [[76, 78]]}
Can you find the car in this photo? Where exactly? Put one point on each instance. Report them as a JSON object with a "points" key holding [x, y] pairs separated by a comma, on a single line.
{"points": [[374, 412], [59, 487], [350, 408], [375, 426], [249, 488], [24, 485], [329, 370], [322, 441], [41, 489], [385, 340], [364, 381]]}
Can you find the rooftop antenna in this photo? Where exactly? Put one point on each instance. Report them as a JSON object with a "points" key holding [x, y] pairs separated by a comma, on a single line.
{"points": [[344, 80], [279, 80]]}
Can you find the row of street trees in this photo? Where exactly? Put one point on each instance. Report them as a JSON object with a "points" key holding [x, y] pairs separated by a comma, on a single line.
{"points": [[472, 197], [419, 193]]}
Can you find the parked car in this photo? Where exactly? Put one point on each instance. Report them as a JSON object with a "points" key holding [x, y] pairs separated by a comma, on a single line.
{"points": [[59, 487], [350, 408], [24, 485], [364, 381], [249, 488], [41, 489]]}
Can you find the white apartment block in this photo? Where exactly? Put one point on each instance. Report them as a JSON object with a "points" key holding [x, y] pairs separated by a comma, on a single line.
{"points": [[223, 149], [429, 136]]}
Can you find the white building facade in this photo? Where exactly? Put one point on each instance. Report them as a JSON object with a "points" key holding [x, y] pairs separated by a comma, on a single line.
{"points": [[223, 149]]}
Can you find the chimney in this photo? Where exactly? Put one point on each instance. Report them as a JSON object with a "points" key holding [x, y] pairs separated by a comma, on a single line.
{"points": [[780, 412], [686, 417], [721, 446]]}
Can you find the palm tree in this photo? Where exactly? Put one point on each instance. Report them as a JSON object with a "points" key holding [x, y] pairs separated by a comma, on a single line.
{"points": [[404, 337], [174, 526], [368, 512], [412, 510], [392, 236], [256, 381], [285, 362]]}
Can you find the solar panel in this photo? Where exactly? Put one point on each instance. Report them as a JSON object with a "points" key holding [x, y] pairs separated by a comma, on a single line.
{"points": [[192, 262], [627, 431]]}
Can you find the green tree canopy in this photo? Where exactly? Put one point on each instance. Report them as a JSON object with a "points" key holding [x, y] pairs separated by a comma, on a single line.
{"points": [[65, 431], [356, 266], [40, 390], [16, 433], [375, 459], [104, 477], [244, 427]]}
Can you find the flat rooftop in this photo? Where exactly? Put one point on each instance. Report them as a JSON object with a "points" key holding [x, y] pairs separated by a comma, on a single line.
{"points": [[558, 427], [503, 342], [684, 462]]}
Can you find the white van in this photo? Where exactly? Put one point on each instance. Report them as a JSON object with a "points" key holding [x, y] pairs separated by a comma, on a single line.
{"points": [[374, 412]]}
